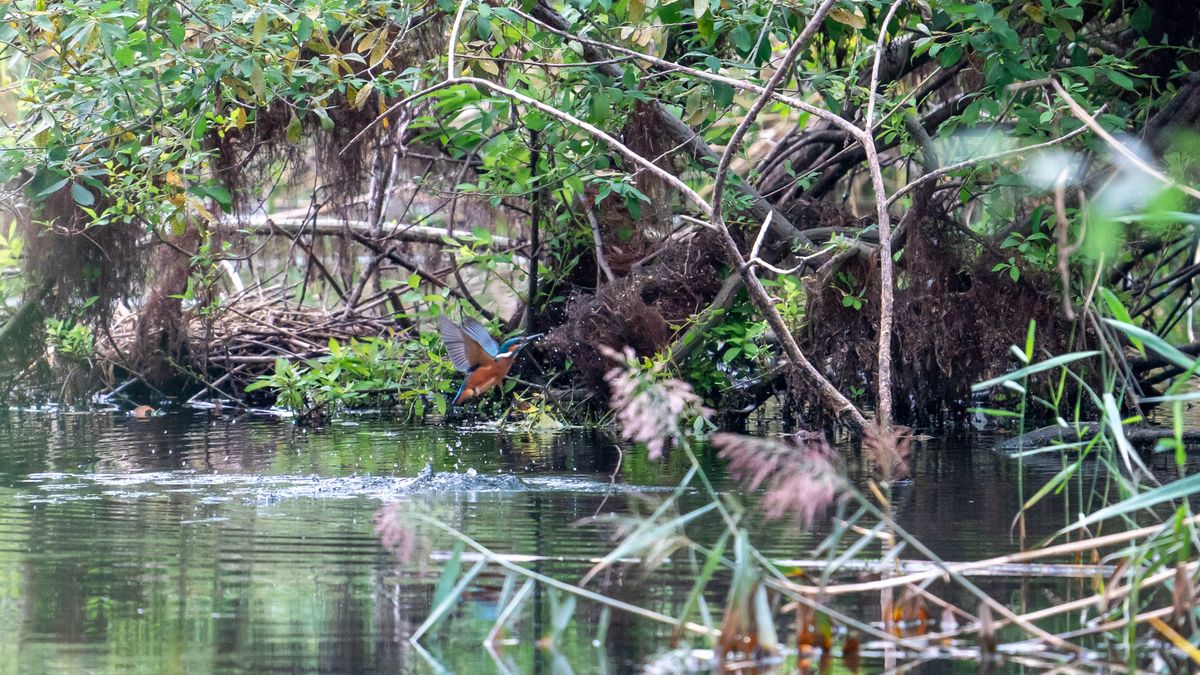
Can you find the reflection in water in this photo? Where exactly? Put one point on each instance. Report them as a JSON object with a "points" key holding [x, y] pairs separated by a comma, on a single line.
{"points": [[185, 543]]}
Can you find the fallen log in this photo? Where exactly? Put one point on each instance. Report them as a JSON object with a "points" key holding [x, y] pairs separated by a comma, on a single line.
{"points": [[342, 227], [1047, 436]]}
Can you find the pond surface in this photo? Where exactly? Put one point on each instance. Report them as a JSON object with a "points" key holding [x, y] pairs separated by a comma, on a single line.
{"points": [[188, 543]]}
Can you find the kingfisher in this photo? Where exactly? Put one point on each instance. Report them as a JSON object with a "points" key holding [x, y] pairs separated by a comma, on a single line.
{"points": [[475, 353]]}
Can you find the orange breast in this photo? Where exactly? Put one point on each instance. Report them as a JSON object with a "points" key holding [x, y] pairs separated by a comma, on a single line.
{"points": [[484, 378]]}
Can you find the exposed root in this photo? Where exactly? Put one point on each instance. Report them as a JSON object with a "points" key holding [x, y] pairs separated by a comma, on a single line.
{"points": [[955, 320]]}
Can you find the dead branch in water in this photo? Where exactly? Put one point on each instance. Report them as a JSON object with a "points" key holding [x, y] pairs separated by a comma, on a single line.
{"points": [[340, 227]]}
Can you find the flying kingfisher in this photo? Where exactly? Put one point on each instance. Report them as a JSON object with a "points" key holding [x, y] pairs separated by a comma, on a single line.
{"points": [[475, 353]]}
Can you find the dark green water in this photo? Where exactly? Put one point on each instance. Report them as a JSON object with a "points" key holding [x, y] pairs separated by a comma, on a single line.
{"points": [[190, 544]]}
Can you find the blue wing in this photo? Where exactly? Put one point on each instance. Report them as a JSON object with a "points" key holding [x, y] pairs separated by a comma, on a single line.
{"points": [[477, 332], [456, 346], [465, 349]]}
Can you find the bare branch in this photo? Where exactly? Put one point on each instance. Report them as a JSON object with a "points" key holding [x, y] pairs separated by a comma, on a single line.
{"points": [[867, 138], [462, 7], [777, 78]]}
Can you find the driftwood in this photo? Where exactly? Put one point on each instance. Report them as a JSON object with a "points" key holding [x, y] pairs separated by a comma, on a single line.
{"points": [[1139, 435], [246, 336], [341, 227]]}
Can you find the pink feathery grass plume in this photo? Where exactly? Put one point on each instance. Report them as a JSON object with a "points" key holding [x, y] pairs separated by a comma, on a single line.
{"points": [[650, 409], [889, 450], [800, 478]]}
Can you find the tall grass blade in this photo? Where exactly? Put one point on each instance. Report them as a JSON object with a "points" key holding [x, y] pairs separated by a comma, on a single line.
{"points": [[1172, 398], [711, 562], [1155, 343], [644, 537], [448, 602], [1118, 311], [852, 551], [509, 609], [449, 574], [1112, 417], [561, 610], [602, 627], [1182, 488], [1041, 366], [768, 637]]}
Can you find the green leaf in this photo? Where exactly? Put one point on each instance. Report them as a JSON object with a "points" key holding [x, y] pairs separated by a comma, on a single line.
{"points": [[700, 7], [1118, 311], [220, 195], [951, 55], [48, 186], [123, 55], [82, 195], [1155, 343], [177, 32], [1120, 79], [256, 385], [482, 236]]}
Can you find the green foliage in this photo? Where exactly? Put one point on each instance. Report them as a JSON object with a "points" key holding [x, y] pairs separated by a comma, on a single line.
{"points": [[409, 375], [853, 294], [69, 339], [206, 274], [120, 99], [10, 259], [734, 349], [788, 293]]}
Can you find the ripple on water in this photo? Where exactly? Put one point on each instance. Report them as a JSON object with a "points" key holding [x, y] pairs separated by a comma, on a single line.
{"points": [[61, 487]]}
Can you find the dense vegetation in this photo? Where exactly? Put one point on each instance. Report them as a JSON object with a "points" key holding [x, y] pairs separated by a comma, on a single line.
{"points": [[691, 179], [856, 209]]}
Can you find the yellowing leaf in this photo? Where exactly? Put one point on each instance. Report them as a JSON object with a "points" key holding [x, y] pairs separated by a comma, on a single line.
{"points": [[488, 66], [845, 16], [174, 179], [294, 129], [637, 8], [363, 95], [258, 81], [198, 207], [378, 52], [238, 117], [260, 29], [368, 41]]}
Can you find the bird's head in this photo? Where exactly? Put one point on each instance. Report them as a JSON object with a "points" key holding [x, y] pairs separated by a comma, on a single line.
{"points": [[511, 346]]}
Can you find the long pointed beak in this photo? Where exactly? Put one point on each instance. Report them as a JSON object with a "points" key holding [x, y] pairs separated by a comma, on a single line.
{"points": [[531, 338]]}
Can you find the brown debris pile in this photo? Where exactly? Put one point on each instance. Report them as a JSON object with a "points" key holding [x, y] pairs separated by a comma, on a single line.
{"points": [[641, 310], [245, 337], [954, 321]]}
